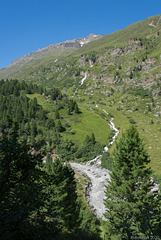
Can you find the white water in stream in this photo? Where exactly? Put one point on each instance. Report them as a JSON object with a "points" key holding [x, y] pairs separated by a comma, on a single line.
{"points": [[98, 178], [82, 81]]}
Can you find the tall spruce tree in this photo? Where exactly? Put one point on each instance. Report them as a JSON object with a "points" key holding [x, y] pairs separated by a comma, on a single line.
{"points": [[64, 200], [70, 204], [49, 163], [19, 185], [133, 209], [34, 203]]}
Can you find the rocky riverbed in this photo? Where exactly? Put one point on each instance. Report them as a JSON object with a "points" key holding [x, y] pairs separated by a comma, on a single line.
{"points": [[95, 190], [99, 177]]}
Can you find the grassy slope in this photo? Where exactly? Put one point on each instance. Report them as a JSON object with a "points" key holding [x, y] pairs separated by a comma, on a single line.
{"points": [[83, 124], [119, 38], [22, 70], [90, 120], [122, 107], [150, 132]]}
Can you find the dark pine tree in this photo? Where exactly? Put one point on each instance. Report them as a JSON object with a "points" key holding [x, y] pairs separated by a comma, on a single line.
{"points": [[76, 108], [64, 201], [19, 185], [59, 126], [49, 163], [133, 208], [57, 116]]}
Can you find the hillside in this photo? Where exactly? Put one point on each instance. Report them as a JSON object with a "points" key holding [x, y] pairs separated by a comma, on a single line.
{"points": [[119, 73], [46, 55]]}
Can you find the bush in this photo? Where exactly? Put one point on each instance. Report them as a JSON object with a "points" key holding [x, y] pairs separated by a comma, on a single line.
{"points": [[131, 120], [140, 91], [106, 161], [89, 150]]}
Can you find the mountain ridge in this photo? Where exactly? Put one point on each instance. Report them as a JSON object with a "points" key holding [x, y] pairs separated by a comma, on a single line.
{"points": [[75, 43], [78, 46]]}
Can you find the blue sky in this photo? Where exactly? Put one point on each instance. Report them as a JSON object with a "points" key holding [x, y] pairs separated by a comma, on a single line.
{"points": [[26, 26]]}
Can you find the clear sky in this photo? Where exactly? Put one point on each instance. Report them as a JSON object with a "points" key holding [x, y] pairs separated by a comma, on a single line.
{"points": [[27, 25]]}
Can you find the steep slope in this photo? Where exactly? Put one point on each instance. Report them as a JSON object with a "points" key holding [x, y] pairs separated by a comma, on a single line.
{"points": [[134, 50], [119, 73], [56, 49], [44, 56]]}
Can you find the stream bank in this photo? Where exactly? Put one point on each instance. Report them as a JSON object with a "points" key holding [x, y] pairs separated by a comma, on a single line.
{"points": [[95, 190]]}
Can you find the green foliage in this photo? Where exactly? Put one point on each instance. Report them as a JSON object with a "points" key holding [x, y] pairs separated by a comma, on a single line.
{"points": [[15, 87], [110, 136], [89, 150], [20, 108], [55, 94], [131, 120], [140, 91], [66, 149], [40, 130], [76, 109], [106, 161], [50, 123], [59, 126], [91, 56], [62, 177], [133, 209], [35, 202], [131, 75], [89, 227], [73, 106], [57, 116], [49, 163], [20, 186]]}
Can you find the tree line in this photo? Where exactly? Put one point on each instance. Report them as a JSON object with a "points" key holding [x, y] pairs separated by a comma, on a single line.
{"points": [[35, 125]]}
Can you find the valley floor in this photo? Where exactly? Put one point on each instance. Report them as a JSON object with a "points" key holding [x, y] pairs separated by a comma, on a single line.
{"points": [[96, 188]]}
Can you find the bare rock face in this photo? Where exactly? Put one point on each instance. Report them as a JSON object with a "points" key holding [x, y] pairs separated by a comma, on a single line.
{"points": [[79, 42]]}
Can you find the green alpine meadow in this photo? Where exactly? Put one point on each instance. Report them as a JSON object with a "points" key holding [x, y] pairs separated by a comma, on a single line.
{"points": [[80, 138]]}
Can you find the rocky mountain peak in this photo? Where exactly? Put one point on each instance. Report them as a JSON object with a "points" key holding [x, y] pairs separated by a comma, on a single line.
{"points": [[89, 38], [75, 43]]}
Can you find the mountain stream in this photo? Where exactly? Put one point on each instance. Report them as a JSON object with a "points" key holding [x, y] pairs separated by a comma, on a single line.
{"points": [[95, 191], [82, 81]]}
